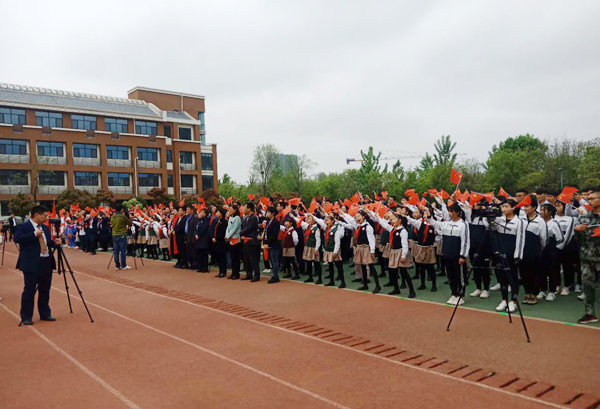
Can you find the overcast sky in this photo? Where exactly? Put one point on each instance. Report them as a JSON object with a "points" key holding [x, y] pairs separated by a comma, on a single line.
{"points": [[328, 78]]}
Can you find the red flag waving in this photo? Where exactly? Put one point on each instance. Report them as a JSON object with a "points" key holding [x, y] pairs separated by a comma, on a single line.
{"points": [[445, 194], [409, 192], [384, 194], [347, 203], [327, 207], [596, 232], [476, 197], [251, 197], [413, 199], [355, 198], [423, 202], [567, 194], [53, 215], [265, 201], [294, 201], [503, 193], [455, 177], [182, 203], [525, 202], [382, 210], [313, 206], [353, 210]]}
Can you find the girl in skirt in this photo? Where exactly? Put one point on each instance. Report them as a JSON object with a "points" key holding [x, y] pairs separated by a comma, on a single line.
{"points": [[334, 233], [312, 242]]}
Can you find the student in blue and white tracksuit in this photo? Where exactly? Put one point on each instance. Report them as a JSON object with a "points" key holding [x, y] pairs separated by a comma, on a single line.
{"points": [[549, 282], [567, 253], [535, 240]]}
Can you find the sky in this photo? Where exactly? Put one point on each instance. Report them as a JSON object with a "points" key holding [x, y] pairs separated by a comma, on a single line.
{"points": [[328, 78]]}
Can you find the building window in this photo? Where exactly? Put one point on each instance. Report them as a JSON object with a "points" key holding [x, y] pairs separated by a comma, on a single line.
{"points": [[12, 116], [149, 154], [51, 178], [50, 149], [207, 182], [169, 180], [169, 156], [186, 157], [201, 119], [86, 178], [51, 119], [168, 131], [145, 128], [116, 125], [14, 177], [187, 181], [207, 161], [149, 179], [85, 150], [117, 152], [13, 147], [118, 179], [83, 122], [185, 134]]}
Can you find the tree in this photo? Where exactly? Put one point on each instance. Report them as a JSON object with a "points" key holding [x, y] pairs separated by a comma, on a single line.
{"points": [[425, 164], [370, 161], [473, 178], [105, 196], [298, 173], [263, 165], [76, 196], [21, 205], [589, 168], [444, 148], [212, 198], [133, 202]]}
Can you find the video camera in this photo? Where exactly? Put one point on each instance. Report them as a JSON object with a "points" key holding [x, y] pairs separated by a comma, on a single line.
{"points": [[55, 222], [488, 210]]}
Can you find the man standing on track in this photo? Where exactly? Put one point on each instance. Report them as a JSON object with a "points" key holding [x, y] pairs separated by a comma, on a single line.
{"points": [[120, 224], [36, 261]]}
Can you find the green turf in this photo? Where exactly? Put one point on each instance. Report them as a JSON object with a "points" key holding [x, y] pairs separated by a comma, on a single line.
{"points": [[565, 309]]}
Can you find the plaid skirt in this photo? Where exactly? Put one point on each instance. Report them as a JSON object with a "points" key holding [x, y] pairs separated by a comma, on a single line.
{"points": [[289, 252], [362, 255], [152, 240], [396, 255], [330, 256], [309, 254], [424, 254]]}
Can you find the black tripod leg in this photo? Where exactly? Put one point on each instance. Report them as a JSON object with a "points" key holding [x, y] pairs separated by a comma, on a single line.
{"points": [[3, 250], [523, 320], [110, 261], [461, 292], [77, 286], [61, 270]]}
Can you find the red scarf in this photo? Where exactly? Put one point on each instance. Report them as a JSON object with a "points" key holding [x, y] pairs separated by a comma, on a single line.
{"points": [[173, 224], [327, 235]]}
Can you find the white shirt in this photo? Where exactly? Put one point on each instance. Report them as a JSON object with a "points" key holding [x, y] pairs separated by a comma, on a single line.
{"points": [[38, 227]]}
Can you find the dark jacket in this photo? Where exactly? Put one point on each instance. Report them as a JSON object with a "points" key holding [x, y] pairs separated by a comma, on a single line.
{"points": [[30, 248], [179, 227], [203, 233], [272, 233], [193, 221], [250, 230], [104, 229], [218, 230]]}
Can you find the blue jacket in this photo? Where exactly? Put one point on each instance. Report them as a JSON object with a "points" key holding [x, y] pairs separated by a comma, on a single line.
{"points": [[29, 255]]}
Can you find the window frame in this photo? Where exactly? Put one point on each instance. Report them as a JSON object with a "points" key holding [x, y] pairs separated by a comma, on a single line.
{"points": [[42, 144], [51, 174], [12, 113], [86, 146], [146, 177], [49, 118], [19, 143], [120, 176], [204, 155], [85, 120], [119, 148], [87, 176], [142, 128], [120, 125]]}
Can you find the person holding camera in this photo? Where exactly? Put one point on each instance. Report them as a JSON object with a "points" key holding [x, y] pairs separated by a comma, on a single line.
{"points": [[36, 261], [120, 224]]}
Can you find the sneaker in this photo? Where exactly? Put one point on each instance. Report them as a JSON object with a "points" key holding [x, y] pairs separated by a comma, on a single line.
{"points": [[541, 295], [502, 306], [581, 297], [266, 271], [117, 268], [461, 301], [476, 293], [451, 300], [126, 268], [512, 306], [564, 291], [495, 288], [485, 294], [587, 319], [551, 297], [577, 288]]}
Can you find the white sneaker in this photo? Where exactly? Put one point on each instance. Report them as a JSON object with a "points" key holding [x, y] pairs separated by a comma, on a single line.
{"points": [[551, 297], [118, 268], [126, 268], [476, 293], [266, 271], [485, 294], [495, 288], [451, 300], [581, 297], [577, 288], [461, 301], [541, 295], [502, 306], [512, 306], [564, 291]]}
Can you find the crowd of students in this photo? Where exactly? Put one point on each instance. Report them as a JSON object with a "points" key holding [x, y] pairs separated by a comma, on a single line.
{"points": [[544, 244]]}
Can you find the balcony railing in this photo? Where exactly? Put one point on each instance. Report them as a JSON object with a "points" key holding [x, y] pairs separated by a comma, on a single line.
{"points": [[123, 163], [120, 190], [145, 189], [86, 161], [188, 166], [154, 164], [52, 160], [14, 189], [189, 191], [51, 190], [14, 158], [90, 189]]}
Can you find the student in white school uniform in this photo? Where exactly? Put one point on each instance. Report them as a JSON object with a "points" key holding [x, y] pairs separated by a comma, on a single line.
{"points": [[549, 282], [535, 241], [312, 242], [364, 253], [333, 233], [567, 252], [289, 243]]}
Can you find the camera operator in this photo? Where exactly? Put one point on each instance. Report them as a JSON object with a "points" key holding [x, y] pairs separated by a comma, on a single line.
{"points": [[36, 261], [120, 224]]}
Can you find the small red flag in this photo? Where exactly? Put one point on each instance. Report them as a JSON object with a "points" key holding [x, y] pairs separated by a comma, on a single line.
{"points": [[409, 192], [567, 194], [327, 207], [503, 193], [455, 177], [355, 198], [313, 206], [423, 202], [445, 194], [353, 210], [525, 202], [182, 203], [348, 203], [382, 211], [265, 201], [251, 197], [596, 232], [414, 199], [294, 201]]}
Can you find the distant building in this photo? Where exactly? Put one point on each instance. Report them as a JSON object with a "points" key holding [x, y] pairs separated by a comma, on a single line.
{"points": [[53, 140], [287, 162]]}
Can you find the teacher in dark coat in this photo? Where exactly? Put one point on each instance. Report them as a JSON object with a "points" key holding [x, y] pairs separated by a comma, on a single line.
{"points": [[202, 244], [218, 230], [36, 261]]}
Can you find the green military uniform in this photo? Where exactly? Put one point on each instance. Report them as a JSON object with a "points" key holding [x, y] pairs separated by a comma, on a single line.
{"points": [[590, 260]]}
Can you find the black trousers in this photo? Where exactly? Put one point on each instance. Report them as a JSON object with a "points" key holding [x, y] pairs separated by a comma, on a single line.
{"points": [[299, 259], [182, 259], [234, 253], [507, 277], [40, 281], [454, 275], [202, 260], [191, 257], [221, 259], [481, 270], [11, 233], [252, 260], [529, 271], [91, 243]]}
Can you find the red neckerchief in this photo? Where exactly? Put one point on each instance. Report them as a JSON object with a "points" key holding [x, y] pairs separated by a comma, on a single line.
{"points": [[391, 239], [307, 233], [216, 226], [357, 233], [327, 235], [426, 231]]}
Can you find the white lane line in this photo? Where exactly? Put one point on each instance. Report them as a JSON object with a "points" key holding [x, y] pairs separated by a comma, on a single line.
{"points": [[406, 365], [78, 364]]}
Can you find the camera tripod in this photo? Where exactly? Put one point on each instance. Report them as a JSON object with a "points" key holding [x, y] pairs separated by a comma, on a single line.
{"points": [[502, 266], [61, 262], [3, 250], [112, 257]]}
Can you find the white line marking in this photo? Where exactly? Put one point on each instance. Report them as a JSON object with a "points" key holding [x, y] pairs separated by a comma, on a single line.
{"points": [[472, 383], [78, 364]]}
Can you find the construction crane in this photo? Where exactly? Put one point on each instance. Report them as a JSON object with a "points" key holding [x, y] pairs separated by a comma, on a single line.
{"points": [[410, 155]]}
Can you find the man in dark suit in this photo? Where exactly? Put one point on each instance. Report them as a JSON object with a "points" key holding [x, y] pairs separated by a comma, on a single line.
{"points": [[202, 245], [179, 230], [271, 243], [36, 261], [12, 226], [191, 221], [249, 235]]}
